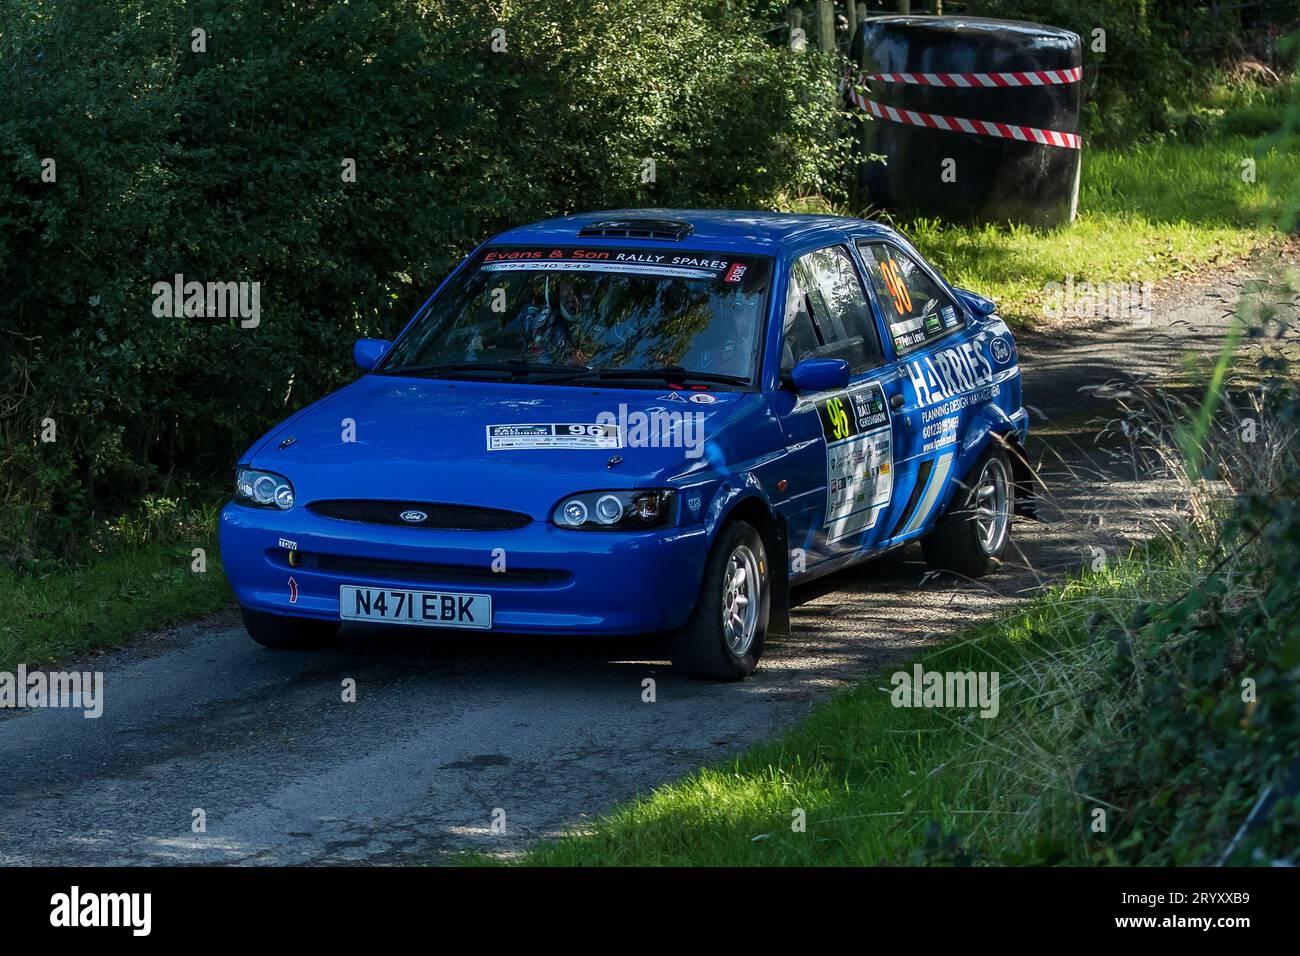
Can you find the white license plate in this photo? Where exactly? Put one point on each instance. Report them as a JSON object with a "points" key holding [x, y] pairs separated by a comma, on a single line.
{"points": [[421, 608]]}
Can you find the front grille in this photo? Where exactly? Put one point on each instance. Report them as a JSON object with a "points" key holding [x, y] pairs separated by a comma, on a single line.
{"points": [[425, 573], [452, 517]]}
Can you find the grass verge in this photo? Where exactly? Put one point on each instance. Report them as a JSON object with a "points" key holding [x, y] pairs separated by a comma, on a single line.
{"points": [[139, 574], [1148, 214], [871, 782]]}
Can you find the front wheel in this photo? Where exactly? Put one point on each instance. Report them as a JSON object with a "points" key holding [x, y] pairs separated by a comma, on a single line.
{"points": [[723, 639], [287, 633], [973, 536]]}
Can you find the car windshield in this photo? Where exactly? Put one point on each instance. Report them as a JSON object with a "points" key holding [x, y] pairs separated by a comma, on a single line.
{"points": [[547, 311]]}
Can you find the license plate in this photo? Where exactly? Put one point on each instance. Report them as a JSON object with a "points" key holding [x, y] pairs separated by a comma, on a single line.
{"points": [[421, 608]]}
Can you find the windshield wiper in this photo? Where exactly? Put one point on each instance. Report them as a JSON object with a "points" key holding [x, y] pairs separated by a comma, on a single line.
{"points": [[669, 373], [511, 367]]}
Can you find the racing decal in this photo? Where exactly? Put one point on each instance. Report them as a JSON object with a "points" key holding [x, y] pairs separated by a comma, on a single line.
{"points": [[933, 491], [1000, 349], [553, 435], [949, 316], [939, 376], [859, 459], [922, 479], [288, 545], [718, 266], [897, 287], [293, 591]]}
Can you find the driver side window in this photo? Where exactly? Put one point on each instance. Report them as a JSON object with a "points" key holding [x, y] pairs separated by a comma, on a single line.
{"points": [[826, 312]]}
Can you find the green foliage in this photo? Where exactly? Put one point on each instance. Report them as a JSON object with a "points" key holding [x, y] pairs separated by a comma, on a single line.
{"points": [[1210, 712], [141, 574], [226, 166], [1162, 59]]}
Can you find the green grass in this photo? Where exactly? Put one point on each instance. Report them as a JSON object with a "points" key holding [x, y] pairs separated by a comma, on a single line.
{"points": [[1153, 213], [141, 578], [1156, 212], [883, 784]]}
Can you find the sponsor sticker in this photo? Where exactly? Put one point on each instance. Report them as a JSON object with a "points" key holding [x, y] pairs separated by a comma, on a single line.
{"points": [[552, 435], [716, 266], [949, 316], [859, 459]]}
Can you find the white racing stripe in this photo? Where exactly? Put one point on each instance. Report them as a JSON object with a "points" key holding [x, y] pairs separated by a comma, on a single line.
{"points": [[938, 481]]}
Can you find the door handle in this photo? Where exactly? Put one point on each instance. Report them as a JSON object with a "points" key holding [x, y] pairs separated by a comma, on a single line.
{"points": [[897, 401]]}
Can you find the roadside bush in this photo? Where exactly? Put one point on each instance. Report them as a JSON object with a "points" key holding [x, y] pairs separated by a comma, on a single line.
{"points": [[1162, 58], [227, 166]]}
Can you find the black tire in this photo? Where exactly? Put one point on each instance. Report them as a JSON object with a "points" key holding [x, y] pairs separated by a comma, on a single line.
{"points": [[288, 633], [701, 649], [958, 542]]}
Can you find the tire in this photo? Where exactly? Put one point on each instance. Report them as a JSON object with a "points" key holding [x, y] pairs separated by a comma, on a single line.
{"points": [[973, 535], [723, 639], [287, 633]]}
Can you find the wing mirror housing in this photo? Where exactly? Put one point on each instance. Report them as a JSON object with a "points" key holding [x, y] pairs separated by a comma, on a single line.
{"points": [[976, 302], [367, 352], [820, 375]]}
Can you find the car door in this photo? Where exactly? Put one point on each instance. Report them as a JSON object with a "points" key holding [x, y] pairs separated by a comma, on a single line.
{"points": [[925, 327], [844, 439]]}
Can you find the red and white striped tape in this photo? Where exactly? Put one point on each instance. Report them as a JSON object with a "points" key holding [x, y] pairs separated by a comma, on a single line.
{"points": [[1030, 78], [959, 124]]}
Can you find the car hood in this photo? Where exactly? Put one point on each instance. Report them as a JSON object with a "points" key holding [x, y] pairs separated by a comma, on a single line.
{"points": [[426, 440]]}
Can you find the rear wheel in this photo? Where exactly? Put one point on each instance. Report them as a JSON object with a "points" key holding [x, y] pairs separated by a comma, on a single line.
{"points": [[723, 639], [287, 633], [973, 536]]}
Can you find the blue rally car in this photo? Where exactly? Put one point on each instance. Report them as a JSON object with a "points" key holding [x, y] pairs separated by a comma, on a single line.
{"points": [[640, 421]]}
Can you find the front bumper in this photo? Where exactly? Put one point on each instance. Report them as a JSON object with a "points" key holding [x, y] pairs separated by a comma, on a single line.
{"points": [[545, 579]]}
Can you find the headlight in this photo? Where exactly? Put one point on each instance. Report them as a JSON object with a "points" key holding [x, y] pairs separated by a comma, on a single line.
{"points": [[615, 510], [263, 489]]}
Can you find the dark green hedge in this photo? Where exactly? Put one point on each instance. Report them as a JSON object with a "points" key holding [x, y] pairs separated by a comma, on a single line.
{"points": [[226, 166]]}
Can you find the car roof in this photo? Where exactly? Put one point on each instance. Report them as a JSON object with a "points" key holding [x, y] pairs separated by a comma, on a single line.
{"points": [[724, 230]]}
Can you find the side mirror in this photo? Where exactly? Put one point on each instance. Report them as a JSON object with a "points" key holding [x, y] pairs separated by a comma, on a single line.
{"points": [[367, 352], [820, 375], [976, 302]]}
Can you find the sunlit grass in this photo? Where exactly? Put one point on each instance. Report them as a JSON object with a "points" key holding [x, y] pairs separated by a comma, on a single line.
{"points": [[1153, 213]]}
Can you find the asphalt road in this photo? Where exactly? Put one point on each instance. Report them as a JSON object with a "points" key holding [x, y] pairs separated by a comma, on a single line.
{"points": [[449, 733]]}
